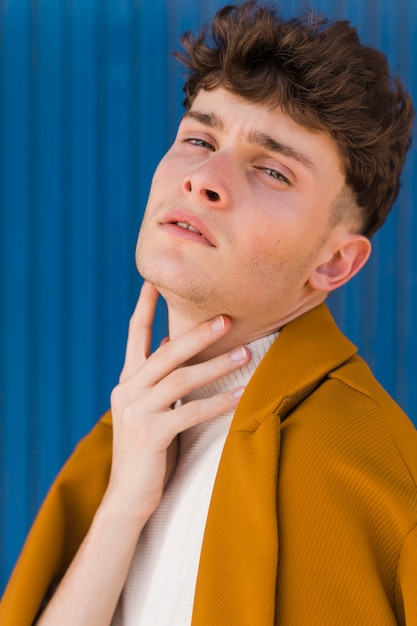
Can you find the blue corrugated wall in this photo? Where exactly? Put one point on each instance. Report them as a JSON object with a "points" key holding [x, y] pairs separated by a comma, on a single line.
{"points": [[89, 100]]}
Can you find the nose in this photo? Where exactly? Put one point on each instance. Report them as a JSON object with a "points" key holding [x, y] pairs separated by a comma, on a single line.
{"points": [[206, 186]]}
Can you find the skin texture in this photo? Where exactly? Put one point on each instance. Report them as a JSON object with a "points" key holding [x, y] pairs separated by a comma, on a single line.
{"points": [[259, 191]]}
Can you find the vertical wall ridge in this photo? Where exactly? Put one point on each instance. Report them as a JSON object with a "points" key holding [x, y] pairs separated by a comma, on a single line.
{"points": [[90, 100]]}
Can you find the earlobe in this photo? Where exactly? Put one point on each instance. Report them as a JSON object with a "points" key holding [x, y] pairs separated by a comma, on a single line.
{"points": [[346, 261]]}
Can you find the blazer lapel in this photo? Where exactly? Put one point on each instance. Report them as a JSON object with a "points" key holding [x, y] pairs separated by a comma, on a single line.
{"points": [[236, 582]]}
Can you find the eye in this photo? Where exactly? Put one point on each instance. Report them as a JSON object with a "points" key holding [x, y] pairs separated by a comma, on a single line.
{"points": [[200, 143], [274, 174]]}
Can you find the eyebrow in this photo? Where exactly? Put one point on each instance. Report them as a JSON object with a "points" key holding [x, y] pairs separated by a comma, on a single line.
{"points": [[254, 136]]}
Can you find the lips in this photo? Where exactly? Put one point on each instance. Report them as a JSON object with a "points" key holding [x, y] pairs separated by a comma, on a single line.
{"points": [[190, 223]]}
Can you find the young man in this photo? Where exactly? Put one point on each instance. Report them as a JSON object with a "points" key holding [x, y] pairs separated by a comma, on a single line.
{"points": [[259, 473]]}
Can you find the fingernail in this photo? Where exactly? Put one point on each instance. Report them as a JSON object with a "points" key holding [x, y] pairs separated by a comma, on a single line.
{"points": [[239, 354], [217, 324], [238, 393]]}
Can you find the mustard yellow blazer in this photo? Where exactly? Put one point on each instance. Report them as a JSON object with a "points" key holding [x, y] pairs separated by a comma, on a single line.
{"points": [[313, 519]]}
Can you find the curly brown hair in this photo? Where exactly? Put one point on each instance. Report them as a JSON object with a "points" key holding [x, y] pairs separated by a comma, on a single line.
{"points": [[324, 78]]}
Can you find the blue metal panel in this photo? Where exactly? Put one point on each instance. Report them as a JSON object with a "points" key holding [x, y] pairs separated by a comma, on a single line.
{"points": [[90, 98], [16, 306]]}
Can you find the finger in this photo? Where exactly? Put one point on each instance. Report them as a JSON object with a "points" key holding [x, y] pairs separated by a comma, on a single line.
{"points": [[198, 411], [183, 380], [139, 338], [173, 354]]}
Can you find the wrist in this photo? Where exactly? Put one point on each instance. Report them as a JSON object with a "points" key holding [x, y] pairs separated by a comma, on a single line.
{"points": [[119, 516]]}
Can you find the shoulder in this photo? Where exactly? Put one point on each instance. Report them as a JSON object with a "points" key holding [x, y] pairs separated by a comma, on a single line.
{"points": [[350, 442], [361, 398], [88, 466]]}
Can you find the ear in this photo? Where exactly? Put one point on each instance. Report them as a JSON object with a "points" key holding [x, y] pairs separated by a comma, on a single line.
{"points": [[349, 254]]}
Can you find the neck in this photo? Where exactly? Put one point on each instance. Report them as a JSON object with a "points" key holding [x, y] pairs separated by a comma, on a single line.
{"points": [[243, 331]]}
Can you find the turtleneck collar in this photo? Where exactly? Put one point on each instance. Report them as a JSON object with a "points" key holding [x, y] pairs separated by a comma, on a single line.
{"points": [[239, 377]]}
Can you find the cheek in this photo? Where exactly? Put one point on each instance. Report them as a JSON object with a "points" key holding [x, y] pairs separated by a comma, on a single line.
{"points": [[157, 183], [273, 257], [168, 167], [260, 260], [263, 242], [163, 176]]}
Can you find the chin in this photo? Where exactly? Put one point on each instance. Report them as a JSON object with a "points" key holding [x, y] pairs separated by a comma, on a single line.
{"points": [[186, 297]]}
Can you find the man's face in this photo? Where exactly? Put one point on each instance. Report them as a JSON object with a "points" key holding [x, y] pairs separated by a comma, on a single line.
{"points": [[238, 216]]}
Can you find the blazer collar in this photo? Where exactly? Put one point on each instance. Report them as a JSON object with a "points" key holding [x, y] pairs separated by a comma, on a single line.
{"points": [[306, 350]]}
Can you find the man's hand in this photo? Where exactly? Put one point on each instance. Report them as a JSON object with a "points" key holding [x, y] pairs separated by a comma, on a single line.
{"points": [[145, 421], [145, 426]]}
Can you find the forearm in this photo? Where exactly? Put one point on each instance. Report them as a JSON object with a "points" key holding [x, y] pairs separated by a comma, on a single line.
{"points": [[89, 592]]}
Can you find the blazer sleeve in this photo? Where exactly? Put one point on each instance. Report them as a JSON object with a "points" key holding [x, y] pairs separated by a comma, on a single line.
{"points": [[59, 527], [407, 579]]}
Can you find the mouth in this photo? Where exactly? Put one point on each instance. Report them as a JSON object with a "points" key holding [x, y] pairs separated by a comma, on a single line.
{"points": [[187, 226], [183, 223]]}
